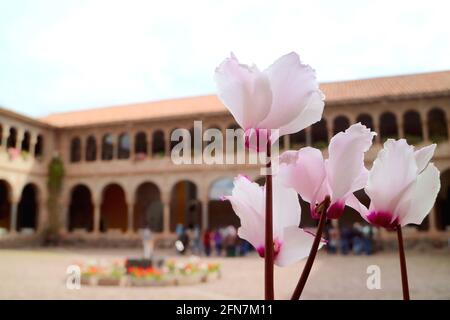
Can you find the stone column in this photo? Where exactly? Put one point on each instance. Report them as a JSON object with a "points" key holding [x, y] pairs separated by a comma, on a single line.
{"points": [[425, 132], [376, 128], [165, 200], [19, 137], [64, 215], [287, 142], [82, 148], [401, 131], [33, 142], [432, 220], [308, 136], [42, 215], [149, 144], [130, 227], [167, 141], [4, 137], [330, 128], [13, 225], [205, 213], [131, 137], [97, 213]]}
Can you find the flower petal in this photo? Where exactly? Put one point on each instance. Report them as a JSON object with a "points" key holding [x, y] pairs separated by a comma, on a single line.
{"points": [[244, 90], [296, 245], [286, 207], [247, 200], [423, 156], [345, 166], [310, 115], [303, 170], [291, 83], [393, 171], [416, 205]]}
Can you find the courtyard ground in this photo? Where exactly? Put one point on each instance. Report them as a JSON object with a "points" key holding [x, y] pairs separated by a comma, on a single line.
{"points": [[41, 274]]}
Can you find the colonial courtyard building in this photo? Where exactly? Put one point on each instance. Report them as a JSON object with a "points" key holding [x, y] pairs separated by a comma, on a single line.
{"points": [[119, 176]]}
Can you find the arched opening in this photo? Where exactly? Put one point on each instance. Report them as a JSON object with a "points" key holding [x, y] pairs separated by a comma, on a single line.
{"points": [[388, 126], [185, 208], [140, 146], [442, 206], [5, 205], [25, 142], [39, 147], [114, 210], [11, 142], [340, 124], [437, 125], [27, 210], [412, 127], [366, 120], [297, 140], [148, 209], [220, 212], [91, 149], [124, 146], [158, 144], [319, 134], [81, 209], [75, 149], [107, 147]]}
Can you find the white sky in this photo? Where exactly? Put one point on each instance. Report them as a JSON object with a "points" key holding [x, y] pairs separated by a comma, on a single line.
{"points": [[58, 55]]}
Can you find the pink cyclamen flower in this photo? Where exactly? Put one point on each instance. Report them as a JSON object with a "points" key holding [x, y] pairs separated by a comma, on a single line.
{"points": [[339, 176], [291, 243], [284, 97], [402, 185]]}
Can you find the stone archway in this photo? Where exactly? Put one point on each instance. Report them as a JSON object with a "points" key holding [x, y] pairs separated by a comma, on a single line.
{"points": [[148, 208], [185, 208], [81, 209], [5, 205], [114, 209], [220, 212], [27, 210]]}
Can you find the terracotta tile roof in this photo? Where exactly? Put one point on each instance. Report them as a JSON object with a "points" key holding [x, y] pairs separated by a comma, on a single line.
{"points": [[343, 92]]}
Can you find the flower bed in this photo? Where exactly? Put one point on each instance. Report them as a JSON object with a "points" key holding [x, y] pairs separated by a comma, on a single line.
{"points": [[171, 273]]}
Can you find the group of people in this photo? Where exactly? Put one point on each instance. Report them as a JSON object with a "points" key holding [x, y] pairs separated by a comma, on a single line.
{"points": [[224, 241], [357, 239], [220, 242]]}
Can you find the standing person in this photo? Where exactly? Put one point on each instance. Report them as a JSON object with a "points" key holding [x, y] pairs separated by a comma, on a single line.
{"points": [[231, 241], [218, 242], [148, 243], [207, 242]]}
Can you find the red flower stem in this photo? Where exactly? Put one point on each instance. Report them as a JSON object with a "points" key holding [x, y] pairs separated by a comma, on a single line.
{"points": [[322, 211], [268, 254], [401, 253]]}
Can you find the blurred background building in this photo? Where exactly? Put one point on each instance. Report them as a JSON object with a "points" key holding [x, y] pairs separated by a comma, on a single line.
{"points": [[119, 177]]}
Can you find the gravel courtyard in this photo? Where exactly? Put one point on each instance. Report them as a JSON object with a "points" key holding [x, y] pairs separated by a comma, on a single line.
{"points": [[41, 274]]}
